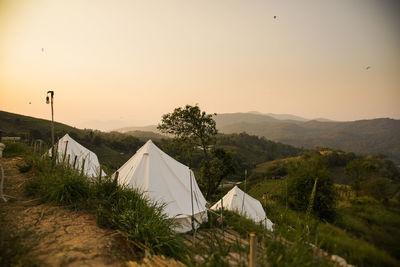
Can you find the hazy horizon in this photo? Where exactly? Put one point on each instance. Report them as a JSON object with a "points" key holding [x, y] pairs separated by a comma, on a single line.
{"points": [[128, 62]]}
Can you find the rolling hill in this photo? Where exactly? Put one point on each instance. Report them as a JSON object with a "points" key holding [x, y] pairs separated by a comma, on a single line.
{"points": [[376, 136]]}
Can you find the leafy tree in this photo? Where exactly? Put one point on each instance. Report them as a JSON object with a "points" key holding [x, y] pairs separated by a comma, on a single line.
{"points": [[356, 172], [197, 128], [221, 165], [97, 140], [302, 175]]}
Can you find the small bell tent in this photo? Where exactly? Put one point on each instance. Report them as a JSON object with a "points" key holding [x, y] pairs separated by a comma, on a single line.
{"points": [[242, 203], [67, 149], [163, 179]]}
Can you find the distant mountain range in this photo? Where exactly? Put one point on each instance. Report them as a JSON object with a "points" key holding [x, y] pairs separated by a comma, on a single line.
{"points": [[287, 116], [376, 136]]}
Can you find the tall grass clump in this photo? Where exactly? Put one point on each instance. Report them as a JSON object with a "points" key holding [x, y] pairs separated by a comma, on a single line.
{"points": [[142, 223], [14, 149], [59, 184]]}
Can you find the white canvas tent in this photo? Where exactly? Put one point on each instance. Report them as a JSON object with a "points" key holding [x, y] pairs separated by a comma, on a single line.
{"points": [[242, 203], [163, 179], [67, 149]]}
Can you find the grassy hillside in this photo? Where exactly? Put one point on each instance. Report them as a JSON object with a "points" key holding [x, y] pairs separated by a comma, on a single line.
{"points": [[366, 222], [145, 135]]}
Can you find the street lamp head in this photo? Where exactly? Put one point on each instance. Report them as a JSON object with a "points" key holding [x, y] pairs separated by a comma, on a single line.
{"points": [[47, 97]]}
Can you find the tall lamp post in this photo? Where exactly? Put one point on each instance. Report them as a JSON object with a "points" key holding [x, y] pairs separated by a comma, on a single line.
{"points": [[50, 100]]}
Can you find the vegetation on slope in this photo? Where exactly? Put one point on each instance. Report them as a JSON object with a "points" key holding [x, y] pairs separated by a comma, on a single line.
{"points": [[366, 224], [377, 136], [114, 149]]}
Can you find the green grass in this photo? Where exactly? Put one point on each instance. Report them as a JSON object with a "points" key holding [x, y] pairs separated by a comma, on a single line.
{"points": [[365, 231], [14, 149], [142, 223], [356, 251], [285, 246], [374, 222]]}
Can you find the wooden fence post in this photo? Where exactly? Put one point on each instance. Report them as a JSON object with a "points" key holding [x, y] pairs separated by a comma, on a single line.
{"points": [[40, 146], [222, 212], [73, 166], [83, 166], [99, 172], [116, 177], [253, 250], [65, 151], [1, 184]]}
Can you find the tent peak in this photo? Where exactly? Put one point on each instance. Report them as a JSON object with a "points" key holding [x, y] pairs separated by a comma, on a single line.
{"points": [[236, 188]]}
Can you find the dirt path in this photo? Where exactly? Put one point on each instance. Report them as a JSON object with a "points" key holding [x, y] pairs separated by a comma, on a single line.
{"points": [[60, 237]]}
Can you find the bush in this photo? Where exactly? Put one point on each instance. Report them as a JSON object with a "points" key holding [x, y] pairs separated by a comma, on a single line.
{"points": [[302, 175], [14, 149]]}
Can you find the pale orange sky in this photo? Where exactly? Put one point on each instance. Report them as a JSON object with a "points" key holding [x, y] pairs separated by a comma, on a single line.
{"points": [[129, 62]]}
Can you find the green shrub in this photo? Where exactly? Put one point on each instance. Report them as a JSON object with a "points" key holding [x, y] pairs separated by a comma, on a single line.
{"points": [[14, 149], [301, 178]]}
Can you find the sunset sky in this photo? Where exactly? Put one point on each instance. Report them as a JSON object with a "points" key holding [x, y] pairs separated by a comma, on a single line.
{"points": [[120, 63]]}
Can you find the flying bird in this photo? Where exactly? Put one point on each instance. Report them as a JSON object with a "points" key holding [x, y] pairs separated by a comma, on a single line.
{"points": [[368, 67], [274, 17], [42, 49], [29, 103]]}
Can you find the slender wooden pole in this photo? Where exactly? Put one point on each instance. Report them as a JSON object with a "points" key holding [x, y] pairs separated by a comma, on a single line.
{"points": [[76, 157], [1, 184], [52, 119], [68, 158], [99, 172], [191, 198], [55, 153], [222, 212], [65, 151], [83, 166], [253, 250], [116, 177]]}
